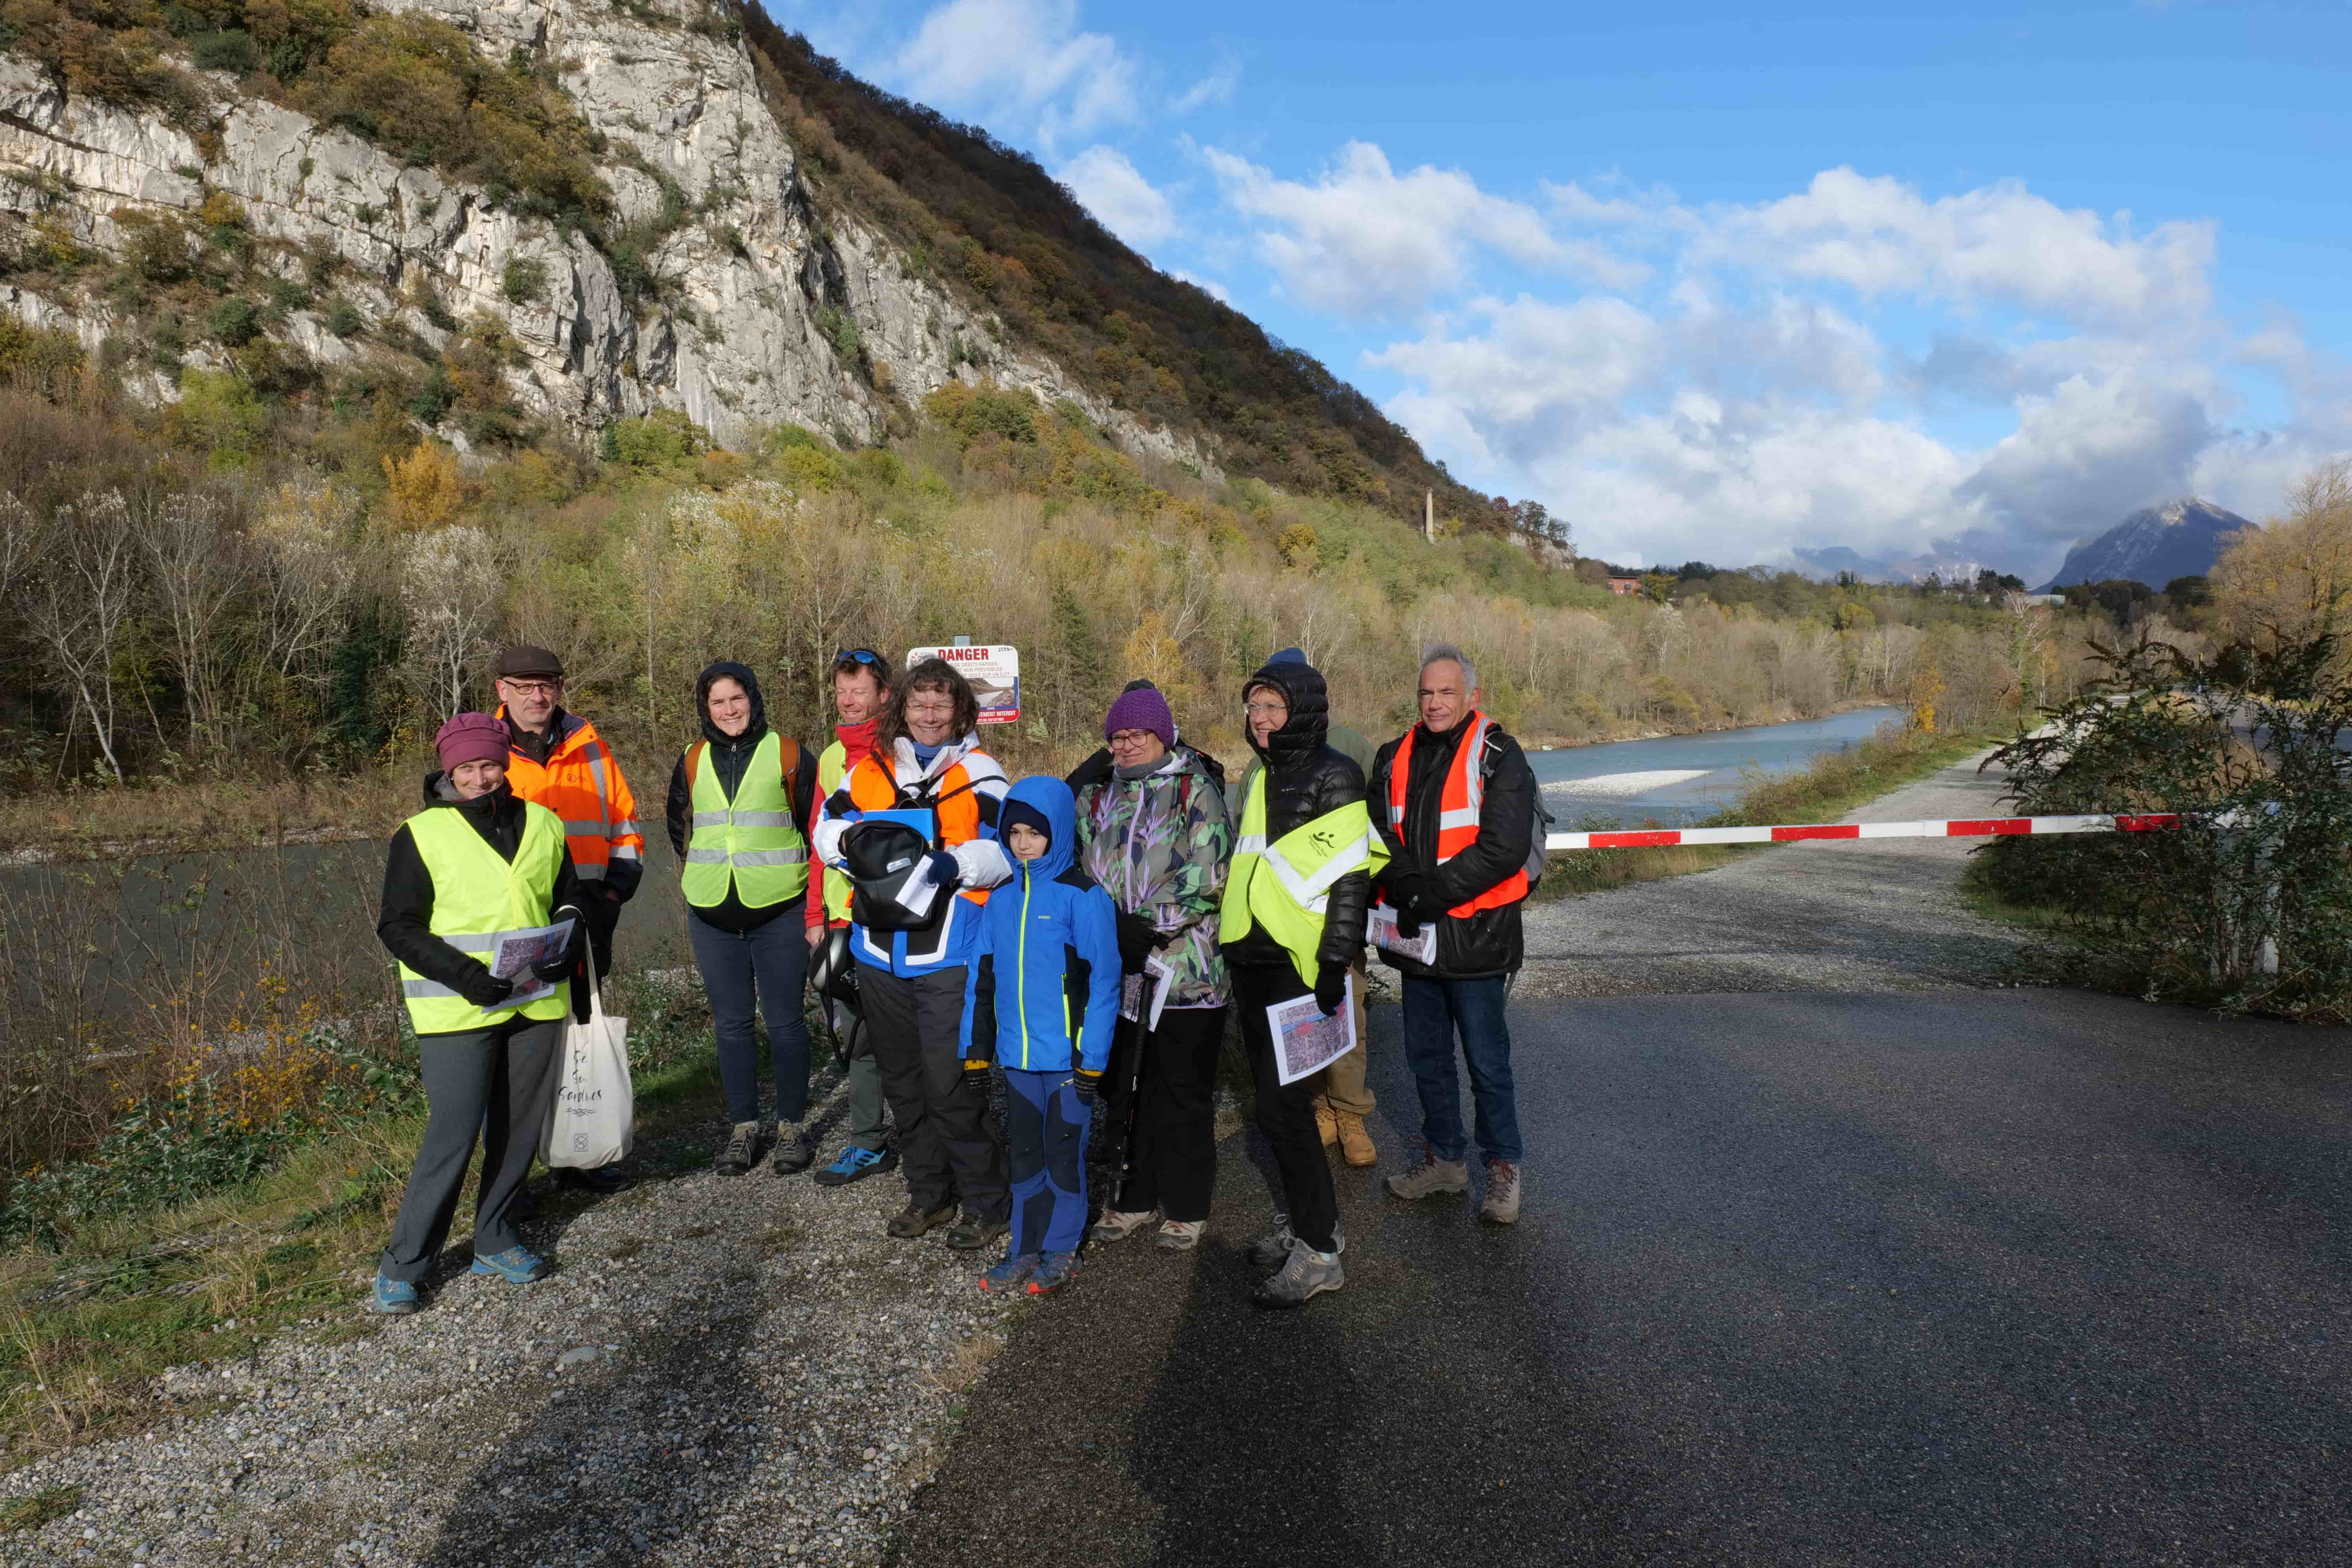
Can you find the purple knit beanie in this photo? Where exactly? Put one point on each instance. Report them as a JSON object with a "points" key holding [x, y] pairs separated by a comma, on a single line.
{"points": [[471, 738], [1141, 708]]}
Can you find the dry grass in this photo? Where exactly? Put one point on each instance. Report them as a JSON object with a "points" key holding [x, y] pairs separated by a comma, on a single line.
{"points": [[165, 817]]}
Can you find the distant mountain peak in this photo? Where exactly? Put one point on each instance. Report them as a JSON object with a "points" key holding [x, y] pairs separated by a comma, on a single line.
{"points": [[2178, 538]]}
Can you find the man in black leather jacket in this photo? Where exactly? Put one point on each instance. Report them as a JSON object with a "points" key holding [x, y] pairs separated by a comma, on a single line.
{"points": [[1304, 778]]}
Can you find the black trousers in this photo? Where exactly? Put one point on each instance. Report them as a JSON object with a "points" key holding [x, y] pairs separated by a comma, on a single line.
{"points": [[948, 1141], [1172, 1166], [1285, 1112], [497, 1083]]}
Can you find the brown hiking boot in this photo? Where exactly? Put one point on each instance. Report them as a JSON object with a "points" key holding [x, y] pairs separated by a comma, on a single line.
{"points": [[1501, 1205], [1355, 1143], [1326, 1121], [1429, 1175]]}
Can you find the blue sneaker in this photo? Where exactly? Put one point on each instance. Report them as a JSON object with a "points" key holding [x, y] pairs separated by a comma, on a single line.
{"points": [[856, 1164], [1006, 1276], [516, 1265], [393, 1297], [1054, 1271]]}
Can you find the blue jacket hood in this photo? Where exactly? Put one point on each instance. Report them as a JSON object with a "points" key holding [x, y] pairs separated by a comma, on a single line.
{"points": [[1049, 798]]}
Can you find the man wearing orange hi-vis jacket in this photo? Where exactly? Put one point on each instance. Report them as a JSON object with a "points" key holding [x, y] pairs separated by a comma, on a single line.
{"points": [[556, 760], [1454, 800]]}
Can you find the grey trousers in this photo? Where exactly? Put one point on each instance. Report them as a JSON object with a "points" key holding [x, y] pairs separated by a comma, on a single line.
{"points": [[496, 1081], [865, 1075]]}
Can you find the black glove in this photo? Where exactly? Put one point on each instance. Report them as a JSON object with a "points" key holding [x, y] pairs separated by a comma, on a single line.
{"points": [[1410, 892], [484, 989], [557, 965], [1331, 987], [945, 872], [1138, 939], [1408, 928], [1087, 1084]]}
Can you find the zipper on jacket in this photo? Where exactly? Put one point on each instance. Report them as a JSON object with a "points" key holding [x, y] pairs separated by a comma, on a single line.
{"points": [[1021, 968]]}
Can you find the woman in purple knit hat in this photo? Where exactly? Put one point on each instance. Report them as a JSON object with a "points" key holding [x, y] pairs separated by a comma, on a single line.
{"points": [[1156, 836]]}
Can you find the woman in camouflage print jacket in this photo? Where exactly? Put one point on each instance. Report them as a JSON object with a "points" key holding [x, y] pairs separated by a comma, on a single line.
{"points": [[1157, 837]]}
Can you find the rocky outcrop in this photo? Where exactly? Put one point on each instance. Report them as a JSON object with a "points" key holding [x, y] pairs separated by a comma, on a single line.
{"points": [[748, 329]]}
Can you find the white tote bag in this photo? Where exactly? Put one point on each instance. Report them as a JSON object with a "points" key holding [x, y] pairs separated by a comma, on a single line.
{"points": [[593, 1116]]}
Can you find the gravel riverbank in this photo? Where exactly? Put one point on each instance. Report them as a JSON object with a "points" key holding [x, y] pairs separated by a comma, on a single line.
{"points": [[720, 1371]]}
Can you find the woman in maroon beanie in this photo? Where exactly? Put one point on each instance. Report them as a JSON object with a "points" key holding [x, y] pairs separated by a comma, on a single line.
{"points": [[475, 864]]}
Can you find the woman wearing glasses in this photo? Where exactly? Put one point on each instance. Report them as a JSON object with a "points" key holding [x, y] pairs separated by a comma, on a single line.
{"points": [[912, 935], [1155, 835]]}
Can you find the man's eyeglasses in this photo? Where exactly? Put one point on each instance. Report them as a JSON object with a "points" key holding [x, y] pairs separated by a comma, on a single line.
{"points": [[530, 688]]}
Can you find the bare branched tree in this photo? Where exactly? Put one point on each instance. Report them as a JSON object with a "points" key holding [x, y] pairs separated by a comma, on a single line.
{"points": [[200, 569], [79, 608], [449, 593]]}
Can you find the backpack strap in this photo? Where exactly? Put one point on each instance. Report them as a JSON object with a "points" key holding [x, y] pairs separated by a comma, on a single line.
{"points": [[693, 763]]}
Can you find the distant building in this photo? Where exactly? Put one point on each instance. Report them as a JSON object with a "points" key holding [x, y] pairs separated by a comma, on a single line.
{"points": [[1624, 585]]}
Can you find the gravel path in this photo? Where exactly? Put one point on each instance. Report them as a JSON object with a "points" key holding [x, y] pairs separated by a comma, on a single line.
{"points": [[1864, 915], [721, 1371]]}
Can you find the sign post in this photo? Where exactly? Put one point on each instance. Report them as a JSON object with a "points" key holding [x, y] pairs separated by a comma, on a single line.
{"points": [[994, 669]]}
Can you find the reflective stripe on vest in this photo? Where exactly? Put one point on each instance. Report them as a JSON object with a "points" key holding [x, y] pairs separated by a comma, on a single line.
{"points": [[750, 842], [1461, 798], [479, 896], [1304, 863]]}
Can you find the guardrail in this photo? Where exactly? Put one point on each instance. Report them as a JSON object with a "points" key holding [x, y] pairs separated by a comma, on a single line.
{"points": [[1798, 833]]}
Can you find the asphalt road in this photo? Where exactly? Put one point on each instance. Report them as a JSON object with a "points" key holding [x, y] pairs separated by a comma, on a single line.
{"points": [[1955, 1276]]}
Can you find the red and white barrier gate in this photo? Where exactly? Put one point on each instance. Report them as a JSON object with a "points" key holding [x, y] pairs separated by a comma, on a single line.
{"points": [[1955, 827]]}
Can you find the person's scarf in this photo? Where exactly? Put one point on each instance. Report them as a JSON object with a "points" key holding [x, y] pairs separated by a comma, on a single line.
{"points": [[856, 741]]}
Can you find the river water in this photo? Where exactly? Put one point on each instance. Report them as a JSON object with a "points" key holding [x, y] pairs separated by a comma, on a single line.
{"points": [[1677, 780]]}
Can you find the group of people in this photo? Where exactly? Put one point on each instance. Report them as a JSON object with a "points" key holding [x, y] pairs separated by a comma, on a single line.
{"points": [[1082, 938]]}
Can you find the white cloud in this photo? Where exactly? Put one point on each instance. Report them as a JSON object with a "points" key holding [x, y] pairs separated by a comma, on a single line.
{"points": [[2000, 243], [1023, 57], [1209, 286], [1366, 241], [1217, 86], [1121, 199]]}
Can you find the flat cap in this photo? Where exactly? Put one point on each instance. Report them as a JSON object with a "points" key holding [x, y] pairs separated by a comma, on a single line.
{"points": [[525, 660]]}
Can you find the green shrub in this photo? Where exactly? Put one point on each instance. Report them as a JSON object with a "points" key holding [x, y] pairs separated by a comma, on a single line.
{"points": [[663, 441], [524, 281], [39, 358], [236, 321], [343, 317], [974, 411], [433, 399], [437, 312], [787, 436], [231, 49], [221, 414]]}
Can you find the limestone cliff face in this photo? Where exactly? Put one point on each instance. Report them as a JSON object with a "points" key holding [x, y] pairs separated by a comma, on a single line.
{"points": [[735, 341]]}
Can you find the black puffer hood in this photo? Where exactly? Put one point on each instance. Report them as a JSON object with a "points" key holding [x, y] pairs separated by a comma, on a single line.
{"points": [[756, 731], [1301, 685]]}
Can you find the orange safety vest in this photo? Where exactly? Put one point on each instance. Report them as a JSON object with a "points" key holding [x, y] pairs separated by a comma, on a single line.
{"points": [[580, 782], [1459, 803], [873, 786]]}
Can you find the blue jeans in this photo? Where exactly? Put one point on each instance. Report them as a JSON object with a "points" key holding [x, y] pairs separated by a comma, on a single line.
{"points": [[1434, 1011], [767, 965], [1046, 1122]]}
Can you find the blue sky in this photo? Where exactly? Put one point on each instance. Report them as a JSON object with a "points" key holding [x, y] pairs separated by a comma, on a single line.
{"points": [[1726, 282]]}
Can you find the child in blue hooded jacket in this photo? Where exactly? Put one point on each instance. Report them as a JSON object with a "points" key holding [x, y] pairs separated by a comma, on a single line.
{"points": [[1041, 998]]}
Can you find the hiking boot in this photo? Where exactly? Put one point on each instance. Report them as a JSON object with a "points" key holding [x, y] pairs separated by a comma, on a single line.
{"points": [[602, 1180], [1006, 1276], [914, 1220], [741, 1151], [1117, 1224], [855, 1164], [1305, 1275], [1501, 1205], [1180, 1235], [393, 1297], [1326, 1121], [1355, 1143], [1428, 1175], [795, 1151], [1054, 1271], [516, 1265], [1272, 1251], [973, 1232]]}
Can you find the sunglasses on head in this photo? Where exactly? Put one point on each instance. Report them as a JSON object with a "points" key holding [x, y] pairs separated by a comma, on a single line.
{"points": [[857, 655]]}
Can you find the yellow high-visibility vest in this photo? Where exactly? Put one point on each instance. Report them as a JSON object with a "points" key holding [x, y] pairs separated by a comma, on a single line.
{"points": [[750, 842], [1286, 886], [479, 896]]}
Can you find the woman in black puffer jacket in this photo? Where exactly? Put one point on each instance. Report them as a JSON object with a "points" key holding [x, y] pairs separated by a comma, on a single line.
{"points": [[1303, 782]]}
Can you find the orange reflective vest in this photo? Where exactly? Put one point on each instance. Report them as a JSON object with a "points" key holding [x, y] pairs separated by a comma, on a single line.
{"points": [[581, 782], [1459, 803]]}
